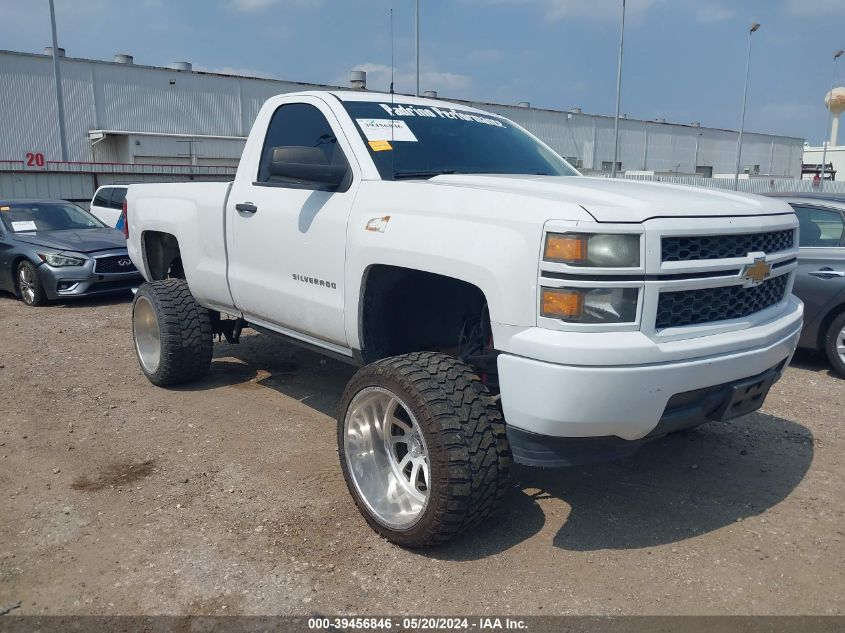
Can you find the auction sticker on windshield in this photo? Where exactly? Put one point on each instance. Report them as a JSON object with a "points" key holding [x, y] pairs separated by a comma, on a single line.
{"points": [[27, 225], [380, 130]]}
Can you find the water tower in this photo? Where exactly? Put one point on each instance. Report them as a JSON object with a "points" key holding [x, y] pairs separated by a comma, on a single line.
{"points": [[835, 102]]}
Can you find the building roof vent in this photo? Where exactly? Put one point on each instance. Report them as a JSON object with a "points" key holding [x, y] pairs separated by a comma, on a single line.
{"points": [[431, 94], [183, 66], [124, 58], [358, 80], [574, 110], [696, 124], [524, 104], [48, 50]]}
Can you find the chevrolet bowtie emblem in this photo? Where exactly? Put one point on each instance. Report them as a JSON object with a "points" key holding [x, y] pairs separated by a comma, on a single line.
{"points": [[757, 272]]}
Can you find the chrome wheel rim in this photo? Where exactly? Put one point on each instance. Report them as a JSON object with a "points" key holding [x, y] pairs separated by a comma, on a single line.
{"points": [[840, 344], [387, 457], [26, 284], [147, 337]]}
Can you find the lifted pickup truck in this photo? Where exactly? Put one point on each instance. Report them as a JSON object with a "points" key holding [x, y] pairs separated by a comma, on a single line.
{"points": [[501, 306]]}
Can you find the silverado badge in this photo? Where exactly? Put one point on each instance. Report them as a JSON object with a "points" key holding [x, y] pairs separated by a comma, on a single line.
{"points": [[757, 272]]}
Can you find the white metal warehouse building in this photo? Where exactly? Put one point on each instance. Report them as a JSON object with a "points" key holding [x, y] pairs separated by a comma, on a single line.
{"points": [[176, 122]]}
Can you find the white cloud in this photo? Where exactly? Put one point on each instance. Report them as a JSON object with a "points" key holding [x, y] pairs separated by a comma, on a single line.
{"points": [[378, 78], [486, 56], [610, 10], [250, 6], [229, 70], [709, 13], [813, 9], [595, 10]]}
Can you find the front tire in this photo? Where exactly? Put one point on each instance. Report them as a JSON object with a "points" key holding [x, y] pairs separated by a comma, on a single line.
{"points": [[423, 448], [834, 343], [172, 333], [30, 288]]}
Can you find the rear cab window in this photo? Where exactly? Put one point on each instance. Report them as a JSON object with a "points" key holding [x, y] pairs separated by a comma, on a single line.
{"points": [[102, 197], [117, 197]]}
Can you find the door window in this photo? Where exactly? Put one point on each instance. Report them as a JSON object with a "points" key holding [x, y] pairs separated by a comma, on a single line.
{"points": [[819, 227], [117, 197], [101, 199], [304, 135]]}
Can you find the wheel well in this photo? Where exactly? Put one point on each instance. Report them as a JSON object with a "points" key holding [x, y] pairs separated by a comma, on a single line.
{"points": [[825, 324], [162, 255], [404, 310]]}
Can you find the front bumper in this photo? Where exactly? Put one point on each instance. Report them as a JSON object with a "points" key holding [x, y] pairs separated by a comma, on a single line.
{"points": [[629, 400], [68, 282]]}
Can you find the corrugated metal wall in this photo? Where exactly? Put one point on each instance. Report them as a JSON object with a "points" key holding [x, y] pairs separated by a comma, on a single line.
{"points": [[109, 96], [648, 145]]}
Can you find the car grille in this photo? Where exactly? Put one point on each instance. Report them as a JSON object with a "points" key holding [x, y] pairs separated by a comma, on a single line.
{"points": [[683, 249], [113, 265], [705, 305]]}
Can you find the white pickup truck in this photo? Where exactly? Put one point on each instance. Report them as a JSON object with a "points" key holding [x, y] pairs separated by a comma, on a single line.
{"points": [[501, 306]]}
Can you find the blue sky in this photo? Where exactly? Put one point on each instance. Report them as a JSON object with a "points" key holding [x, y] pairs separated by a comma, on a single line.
{"points": [[685, 59]]}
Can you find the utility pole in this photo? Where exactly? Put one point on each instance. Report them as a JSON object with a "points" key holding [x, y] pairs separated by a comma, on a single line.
{"points": [[417, 24], [826, 138], [618, 95], [751, 32], [60, 105]]}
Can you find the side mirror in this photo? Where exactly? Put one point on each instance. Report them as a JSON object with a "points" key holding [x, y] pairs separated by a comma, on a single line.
{"points": [[306, 164]]}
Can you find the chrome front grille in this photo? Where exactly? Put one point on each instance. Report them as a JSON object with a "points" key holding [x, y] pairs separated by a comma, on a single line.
{"points": [[692, 248], [708, 305]]}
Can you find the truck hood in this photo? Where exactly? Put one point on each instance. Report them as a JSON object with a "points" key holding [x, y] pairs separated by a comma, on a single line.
{"points": [[623, 201], [78, 241]]}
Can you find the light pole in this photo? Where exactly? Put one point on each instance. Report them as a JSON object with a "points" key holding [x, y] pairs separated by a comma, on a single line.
{"points": [[417, 26], [57, 76], [697, 144], [618, 95], [751, 32], [826, 138]]}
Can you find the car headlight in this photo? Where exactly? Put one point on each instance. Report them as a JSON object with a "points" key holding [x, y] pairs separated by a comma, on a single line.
{"points": [[590, 305], [600, 250], [59, 261]]}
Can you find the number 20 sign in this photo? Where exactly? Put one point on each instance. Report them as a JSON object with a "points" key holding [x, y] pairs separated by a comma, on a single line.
{"points": [[34, 160]]}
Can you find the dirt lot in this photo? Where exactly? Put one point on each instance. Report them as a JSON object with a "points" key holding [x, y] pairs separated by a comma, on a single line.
{"points": [[226, 497]]}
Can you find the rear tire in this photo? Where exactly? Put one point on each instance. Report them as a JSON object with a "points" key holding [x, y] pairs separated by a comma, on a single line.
{"points": [[834, 344], [423, 448], [172, 333], [28, 284]]}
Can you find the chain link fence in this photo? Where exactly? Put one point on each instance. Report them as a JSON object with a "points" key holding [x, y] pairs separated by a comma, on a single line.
{"points": [[748, 185]]}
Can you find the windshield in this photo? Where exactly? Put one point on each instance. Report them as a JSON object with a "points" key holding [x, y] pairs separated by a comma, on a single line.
{"points": [[22, 217], [422, 141]]}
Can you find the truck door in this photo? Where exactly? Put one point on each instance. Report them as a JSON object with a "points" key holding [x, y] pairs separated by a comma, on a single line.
{"points": [[287, 236]]}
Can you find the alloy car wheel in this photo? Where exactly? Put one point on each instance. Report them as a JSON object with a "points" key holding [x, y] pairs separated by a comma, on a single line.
{"points": [[172, 333], [387, 457], [422, 447], [834, 343], [147, 334], [29, 285]]}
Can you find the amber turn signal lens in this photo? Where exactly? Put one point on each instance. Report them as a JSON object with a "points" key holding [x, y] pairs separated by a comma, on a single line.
{"points": [[562, 303], [567, 249]]}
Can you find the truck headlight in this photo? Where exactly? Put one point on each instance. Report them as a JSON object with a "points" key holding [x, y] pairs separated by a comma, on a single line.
{"points": [[590, 305], [600, 250], [59, 261]]}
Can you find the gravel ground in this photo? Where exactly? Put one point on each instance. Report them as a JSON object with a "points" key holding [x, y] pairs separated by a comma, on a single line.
{"points": [[226, 498]]}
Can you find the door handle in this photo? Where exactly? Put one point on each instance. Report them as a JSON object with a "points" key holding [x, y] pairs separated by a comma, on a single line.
{"points": [[827, 273], [246, 208]]}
